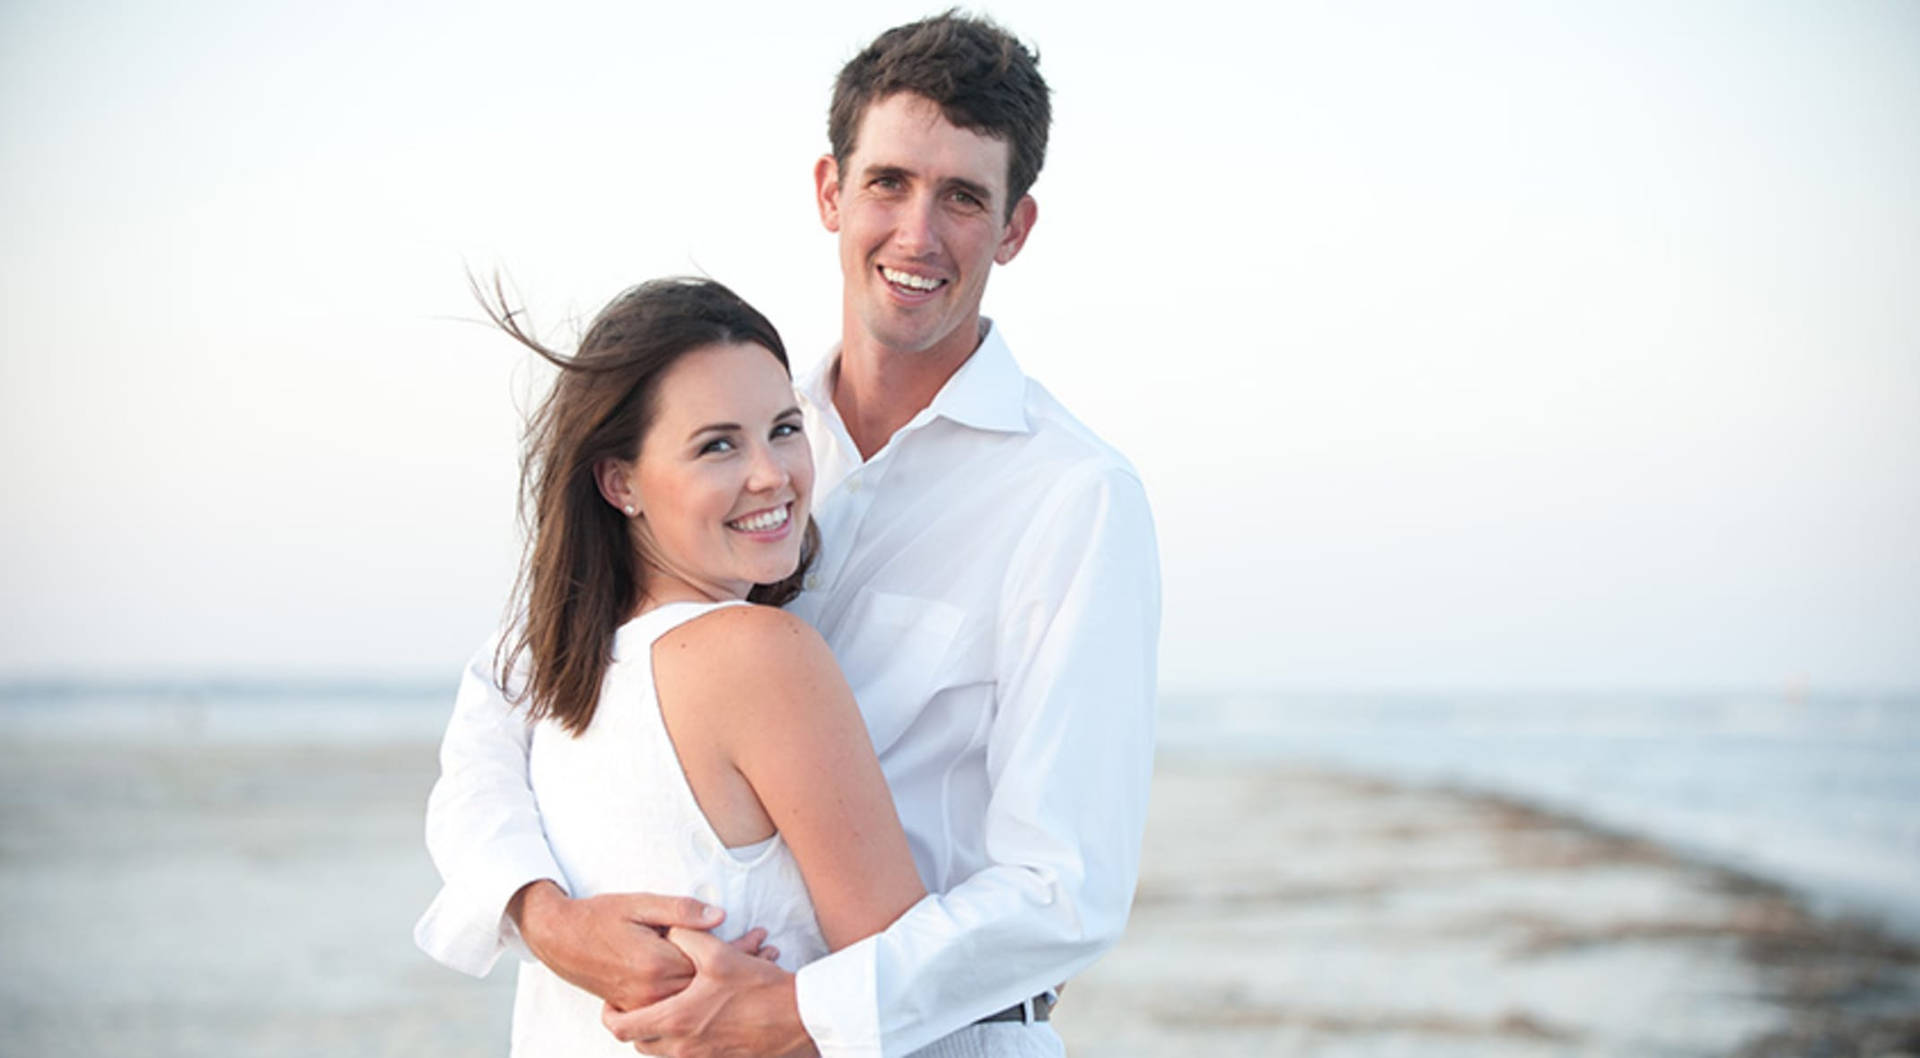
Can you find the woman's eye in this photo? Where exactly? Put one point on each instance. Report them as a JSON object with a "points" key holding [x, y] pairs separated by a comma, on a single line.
{"points": [[718, 444], [786, 429]]}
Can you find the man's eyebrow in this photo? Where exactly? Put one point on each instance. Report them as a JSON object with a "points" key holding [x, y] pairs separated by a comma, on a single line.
{"points": [[979, 191], [954, 183], [878, 172]]}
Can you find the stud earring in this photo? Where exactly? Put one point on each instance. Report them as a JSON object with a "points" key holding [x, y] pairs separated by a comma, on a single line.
{"points": [[631, 510]]}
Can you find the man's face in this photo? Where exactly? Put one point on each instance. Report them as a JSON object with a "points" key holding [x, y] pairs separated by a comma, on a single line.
{"points": [[921, 211]]}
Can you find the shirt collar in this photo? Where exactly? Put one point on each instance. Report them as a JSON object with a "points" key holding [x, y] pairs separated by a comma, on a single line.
{"points": [[988, 392]]}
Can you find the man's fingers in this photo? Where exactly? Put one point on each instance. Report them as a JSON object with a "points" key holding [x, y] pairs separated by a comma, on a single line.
{"points": [[685, 1026], [754, 942], [750, 941], [715, 959], [647, 991], [618, 1022], [670, 911], [627, 1026], [638, 1026], [699, 945]]}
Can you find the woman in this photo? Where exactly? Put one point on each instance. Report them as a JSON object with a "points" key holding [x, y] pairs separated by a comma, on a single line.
{"points": [[687, 741]]}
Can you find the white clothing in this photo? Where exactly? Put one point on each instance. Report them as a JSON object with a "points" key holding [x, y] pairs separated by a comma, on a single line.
{"points": [[620, 817], [989, 586]]}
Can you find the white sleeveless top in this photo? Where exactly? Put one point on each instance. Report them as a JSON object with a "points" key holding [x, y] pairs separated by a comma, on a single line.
{"points": [[620, 817]]}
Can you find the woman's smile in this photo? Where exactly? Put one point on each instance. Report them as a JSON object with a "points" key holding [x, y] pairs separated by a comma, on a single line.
{"points": [[769, 524]]}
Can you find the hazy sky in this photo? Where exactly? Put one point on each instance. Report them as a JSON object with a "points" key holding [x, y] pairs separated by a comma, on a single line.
{"points": [[1465, 345]]}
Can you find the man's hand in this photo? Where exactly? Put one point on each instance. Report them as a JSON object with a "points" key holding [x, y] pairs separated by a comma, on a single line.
{"points": [[738, 1006], [612, 945]]}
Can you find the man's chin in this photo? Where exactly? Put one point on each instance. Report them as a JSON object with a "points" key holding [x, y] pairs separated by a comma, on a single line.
{"points": [[914, 335]]}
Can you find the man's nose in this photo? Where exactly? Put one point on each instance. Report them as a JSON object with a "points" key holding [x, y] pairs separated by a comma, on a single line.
{"points": [[914, 230]]}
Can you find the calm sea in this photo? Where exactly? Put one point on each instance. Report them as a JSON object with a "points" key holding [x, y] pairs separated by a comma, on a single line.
{"points": [[1819, 792]]}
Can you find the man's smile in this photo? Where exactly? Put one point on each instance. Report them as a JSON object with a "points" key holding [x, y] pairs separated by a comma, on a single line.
{"points": [[909, 281]]}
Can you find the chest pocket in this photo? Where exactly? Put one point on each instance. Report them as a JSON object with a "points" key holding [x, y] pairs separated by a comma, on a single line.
{"points": [[898, 651]]}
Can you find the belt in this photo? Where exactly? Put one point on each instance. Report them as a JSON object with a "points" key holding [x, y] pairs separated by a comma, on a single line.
{"points": [[1039, 1008]]}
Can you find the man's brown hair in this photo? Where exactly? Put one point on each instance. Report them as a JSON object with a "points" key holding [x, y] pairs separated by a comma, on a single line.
{"points": [[981, 77]]}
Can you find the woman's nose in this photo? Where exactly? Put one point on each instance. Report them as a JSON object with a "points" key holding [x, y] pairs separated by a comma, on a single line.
{"points": [[767, 471]]}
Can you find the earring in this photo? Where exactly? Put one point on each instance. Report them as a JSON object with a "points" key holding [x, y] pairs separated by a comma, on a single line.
{"points": [[631, 510]]}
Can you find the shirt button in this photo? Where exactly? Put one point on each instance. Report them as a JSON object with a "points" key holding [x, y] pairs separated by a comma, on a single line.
{"points": [[853, 484], [813, 582]]}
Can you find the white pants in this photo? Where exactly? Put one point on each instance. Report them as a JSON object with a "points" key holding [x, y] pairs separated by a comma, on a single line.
{"points": [[999, 1039]]}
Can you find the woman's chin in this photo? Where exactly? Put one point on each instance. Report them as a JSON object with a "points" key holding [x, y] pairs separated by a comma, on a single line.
{"points": [[774, 572], [782, 574]]}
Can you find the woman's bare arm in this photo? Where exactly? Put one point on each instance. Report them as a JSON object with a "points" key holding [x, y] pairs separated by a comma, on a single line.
{"points": [[756, 690]]}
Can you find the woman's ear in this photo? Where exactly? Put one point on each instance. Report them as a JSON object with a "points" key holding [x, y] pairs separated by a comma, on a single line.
{"points": [[615, 478]]}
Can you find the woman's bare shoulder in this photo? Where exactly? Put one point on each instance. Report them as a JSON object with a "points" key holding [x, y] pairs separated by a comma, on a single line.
{"points": [[735, 650]]}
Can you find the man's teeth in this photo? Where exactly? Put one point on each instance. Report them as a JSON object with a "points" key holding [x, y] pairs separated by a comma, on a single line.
{"points": [[772, 519], [908, 279]]}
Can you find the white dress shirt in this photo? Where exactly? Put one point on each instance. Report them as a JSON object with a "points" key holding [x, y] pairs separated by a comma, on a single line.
{"points": [[989, 584]]}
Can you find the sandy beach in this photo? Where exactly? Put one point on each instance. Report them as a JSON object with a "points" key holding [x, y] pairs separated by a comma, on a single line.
{"points": [[173, 898]]}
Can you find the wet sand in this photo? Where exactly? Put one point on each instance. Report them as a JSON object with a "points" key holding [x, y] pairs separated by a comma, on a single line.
{"points": [[1291, 912], [258, 899]]}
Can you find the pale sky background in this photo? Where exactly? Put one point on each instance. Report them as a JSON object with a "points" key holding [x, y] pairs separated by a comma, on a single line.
{"points": [[1460, 346]]}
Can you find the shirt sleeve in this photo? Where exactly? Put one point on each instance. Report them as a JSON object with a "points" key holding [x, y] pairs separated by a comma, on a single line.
{"points": [[483, 827], [1069, 756]]}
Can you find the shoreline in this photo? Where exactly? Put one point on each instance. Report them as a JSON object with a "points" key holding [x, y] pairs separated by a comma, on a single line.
{"points": [[1441, 920], [183, 899]]}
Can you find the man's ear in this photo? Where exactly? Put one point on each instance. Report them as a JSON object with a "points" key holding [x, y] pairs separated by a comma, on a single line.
{"points": [[615, 478], [826, 191], [1019, 226]]}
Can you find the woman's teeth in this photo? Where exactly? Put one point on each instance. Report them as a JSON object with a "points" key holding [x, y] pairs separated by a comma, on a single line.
{"points": [[761, 522]]}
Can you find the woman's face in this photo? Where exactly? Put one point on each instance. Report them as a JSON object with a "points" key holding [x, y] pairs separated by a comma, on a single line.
{"points": [[724, 479]]}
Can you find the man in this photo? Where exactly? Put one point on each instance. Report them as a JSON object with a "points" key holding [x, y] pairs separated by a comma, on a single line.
{"points": [[988, 583]]}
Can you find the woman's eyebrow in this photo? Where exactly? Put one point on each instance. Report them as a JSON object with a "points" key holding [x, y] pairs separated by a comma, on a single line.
{"points": [[718, 427]]}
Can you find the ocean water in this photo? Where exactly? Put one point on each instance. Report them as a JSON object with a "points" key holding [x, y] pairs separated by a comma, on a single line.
{"points": [[227, 711], [1820, 793]]}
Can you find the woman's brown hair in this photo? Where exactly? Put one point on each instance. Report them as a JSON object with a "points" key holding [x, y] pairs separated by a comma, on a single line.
{"points": [[580, 575]]}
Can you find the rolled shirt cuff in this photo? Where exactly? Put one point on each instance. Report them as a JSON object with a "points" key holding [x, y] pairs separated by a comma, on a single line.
{"points": [[840, 1003], [467, 927]]}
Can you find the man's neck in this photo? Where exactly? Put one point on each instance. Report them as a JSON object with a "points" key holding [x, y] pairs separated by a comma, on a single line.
{"points": [[878, 390]]}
